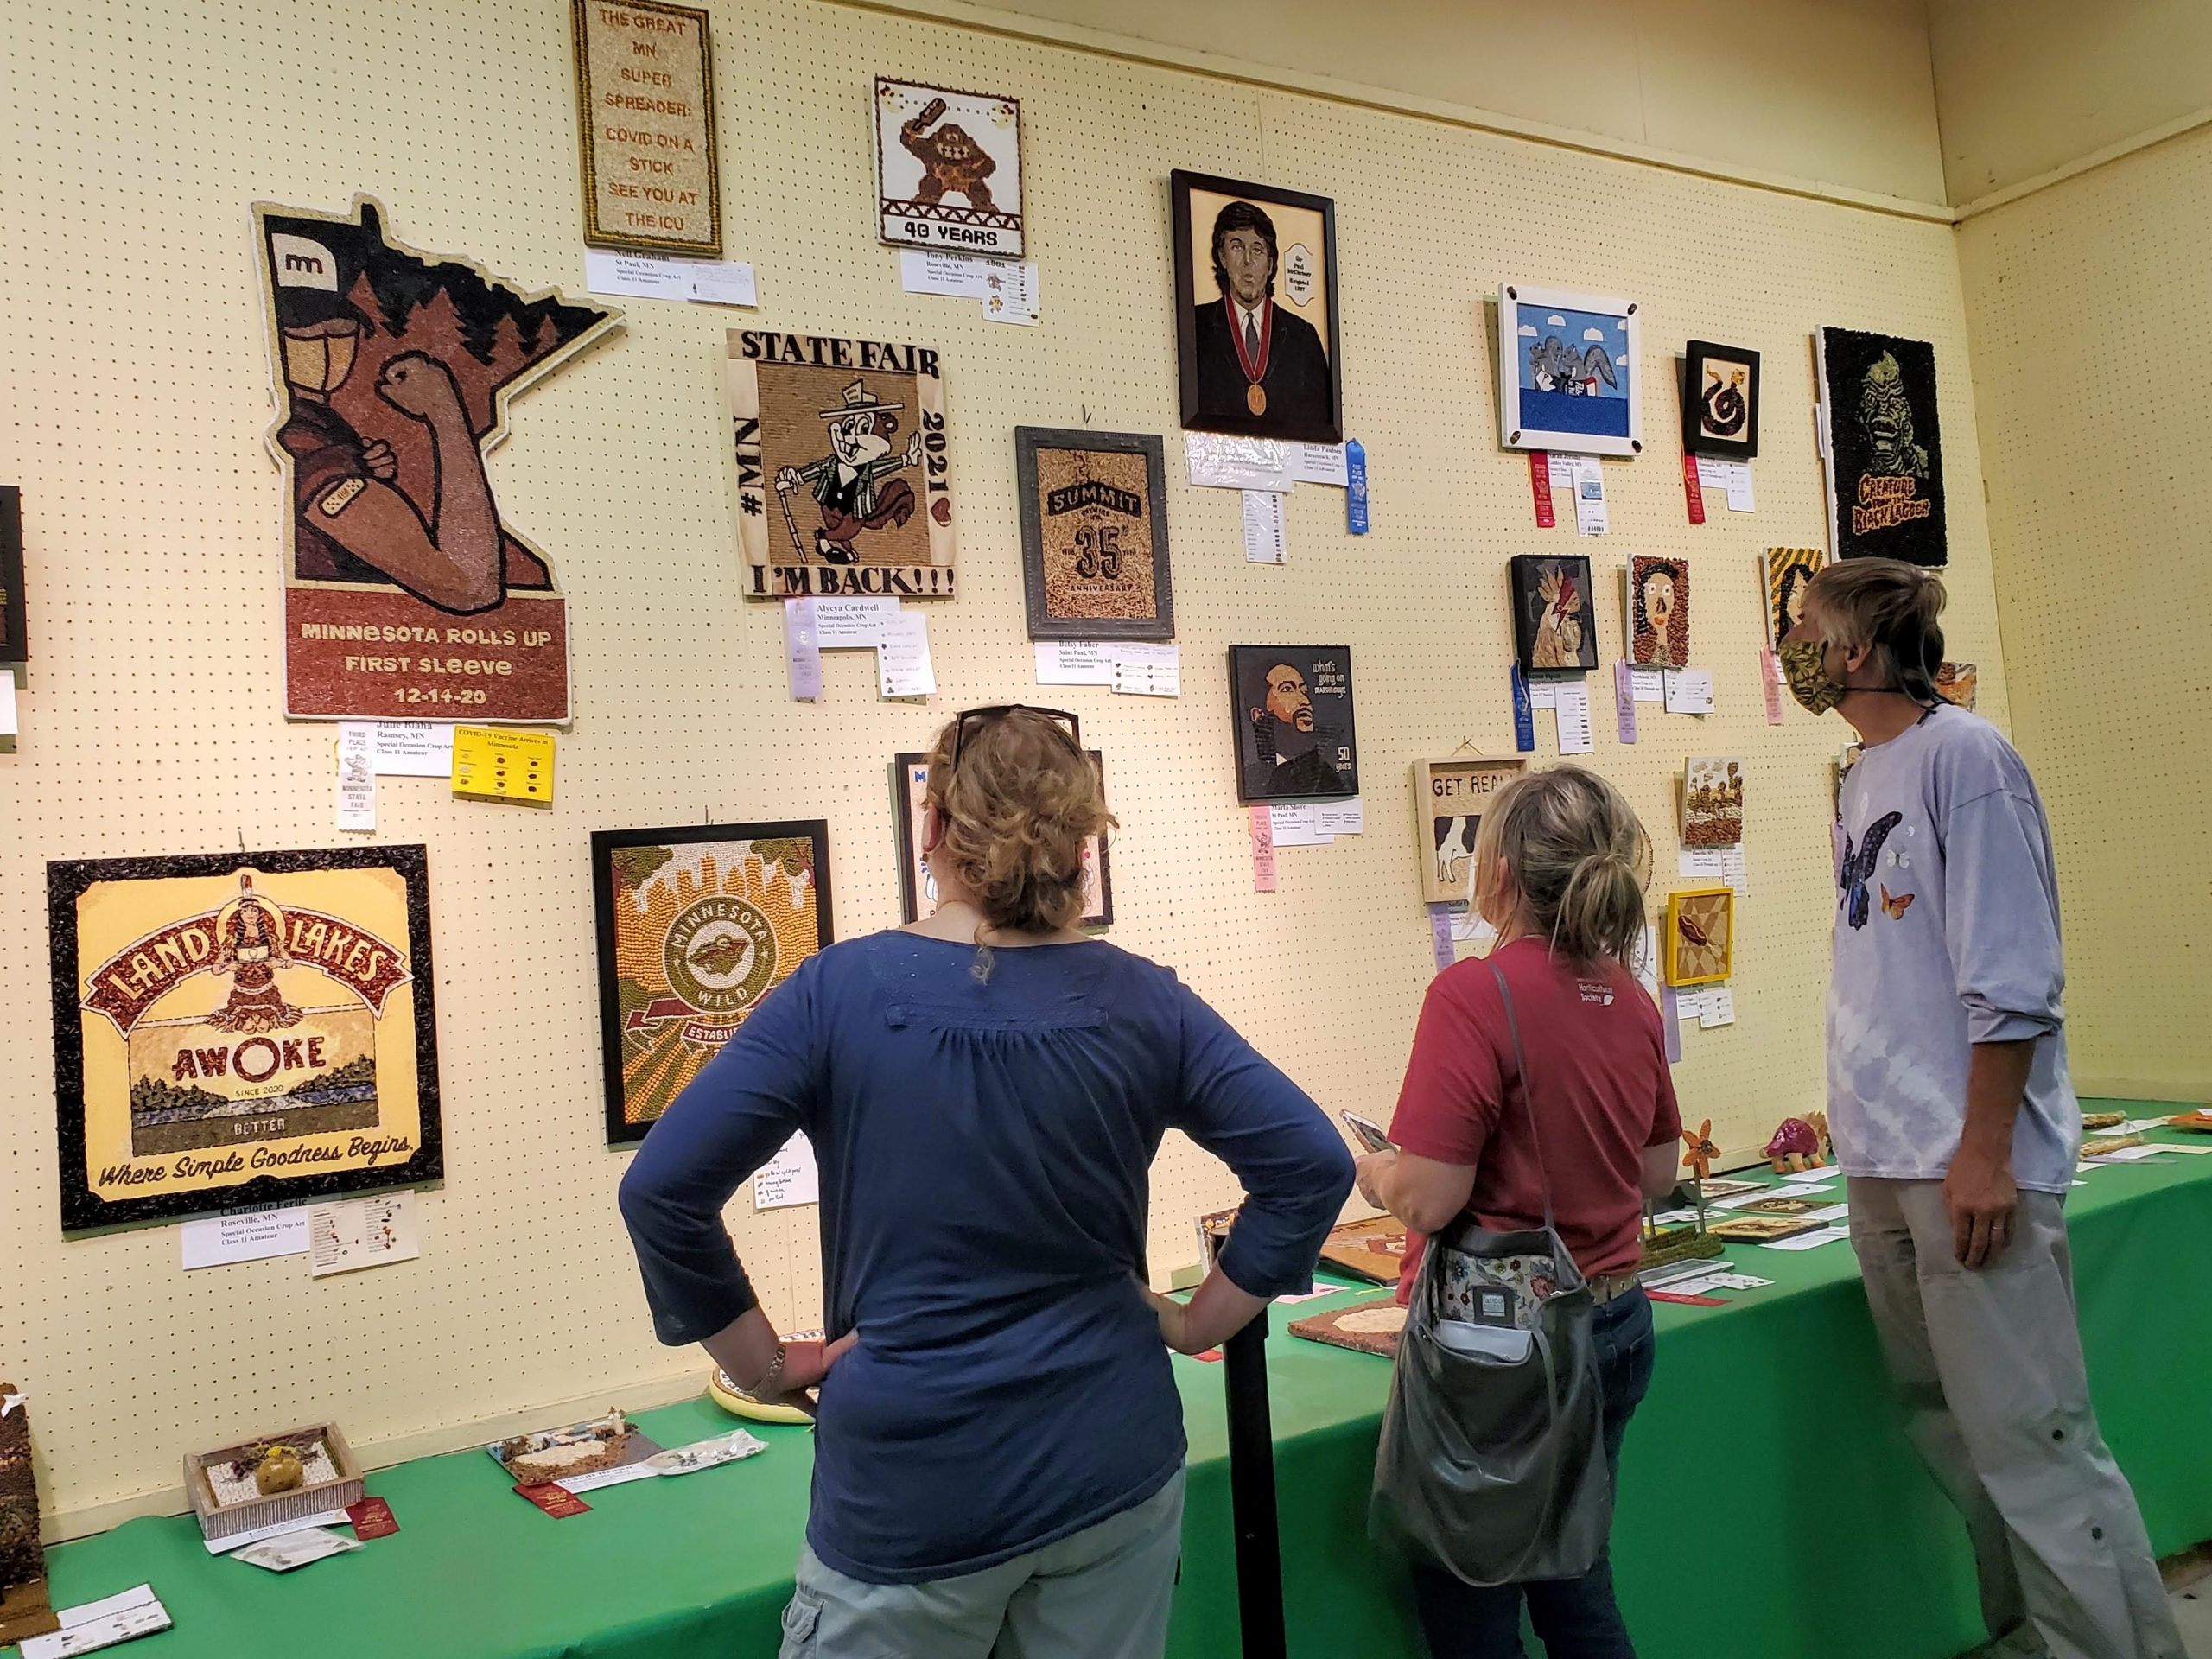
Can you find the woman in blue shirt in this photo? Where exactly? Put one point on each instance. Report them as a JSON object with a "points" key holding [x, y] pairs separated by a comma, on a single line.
{"points": [[998, 1466]]}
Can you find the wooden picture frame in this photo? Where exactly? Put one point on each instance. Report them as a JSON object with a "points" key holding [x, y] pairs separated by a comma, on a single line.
{"points": [[1570, 371], [717, 917], [909, 777], [667, 122], [1705, 954], [948, 168], [1294, 387], [328, 1023], [1094, 534], [1448, 795], [1272, 690], [1720, 400]]}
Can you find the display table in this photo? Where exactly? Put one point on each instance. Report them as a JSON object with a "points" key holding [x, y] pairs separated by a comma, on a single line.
{"points": [[1770, 1504]]}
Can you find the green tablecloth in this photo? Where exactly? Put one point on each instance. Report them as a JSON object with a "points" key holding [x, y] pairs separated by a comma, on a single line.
{"points": [[1770, 1504]]}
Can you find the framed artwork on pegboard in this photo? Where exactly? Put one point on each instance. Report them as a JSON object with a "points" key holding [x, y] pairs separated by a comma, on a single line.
{"points": [[646, 125], [1555, 623], [1786, 571], [697, 925], [1720, 400], [948, 168], [1658, 610], [13, 645], [843, 481], [1256, 310], [910, 784], [1292, 714], [1449, 796], [1569, 372], [408, 594], [1094, 534], [241, 1030], [1700, 937], [1883, 445]]}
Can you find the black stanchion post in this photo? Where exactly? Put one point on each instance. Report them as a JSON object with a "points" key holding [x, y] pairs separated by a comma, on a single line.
{"points": [[1252, 1491]]}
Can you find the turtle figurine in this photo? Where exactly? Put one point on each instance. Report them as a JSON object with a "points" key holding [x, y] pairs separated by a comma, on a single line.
{"points": [[1801, 1143]]}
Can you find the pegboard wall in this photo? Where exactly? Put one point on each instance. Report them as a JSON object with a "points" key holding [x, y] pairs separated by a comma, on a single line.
{"points": [[2101, 513], [137, 394]]}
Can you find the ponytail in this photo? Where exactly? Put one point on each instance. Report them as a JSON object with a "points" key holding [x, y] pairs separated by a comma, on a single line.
{"points": [[1577, 855], [1601, 912]]}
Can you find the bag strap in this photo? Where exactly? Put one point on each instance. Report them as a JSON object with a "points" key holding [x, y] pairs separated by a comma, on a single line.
{"points": [[1527, 1097]]}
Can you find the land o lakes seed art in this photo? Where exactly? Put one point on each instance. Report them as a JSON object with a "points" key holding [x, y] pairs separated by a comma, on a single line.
{"points": [[242, 1029], [406, 591], [697, 927], [843, 485]]}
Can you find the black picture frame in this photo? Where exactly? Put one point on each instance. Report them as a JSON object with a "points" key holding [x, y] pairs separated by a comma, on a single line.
{"points": [[1702, 359], [912, 873], [1530, 605], [1326, 678], [1031, 441], [69, 880], [14, 646], [614, 1014], [1289, 376]]}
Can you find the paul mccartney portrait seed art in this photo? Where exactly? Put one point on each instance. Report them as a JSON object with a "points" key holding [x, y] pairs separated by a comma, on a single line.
{"points": [[1256, 310]]}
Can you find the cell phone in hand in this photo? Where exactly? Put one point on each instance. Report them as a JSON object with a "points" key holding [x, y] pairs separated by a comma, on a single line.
{"points": [[1369, 1133]]}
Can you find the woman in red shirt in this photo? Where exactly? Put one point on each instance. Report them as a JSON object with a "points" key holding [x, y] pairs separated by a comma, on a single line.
{"points": [[1560, 866]]}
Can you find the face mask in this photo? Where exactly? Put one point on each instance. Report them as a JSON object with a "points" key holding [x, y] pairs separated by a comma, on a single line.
{"points": [[1804, 666]]}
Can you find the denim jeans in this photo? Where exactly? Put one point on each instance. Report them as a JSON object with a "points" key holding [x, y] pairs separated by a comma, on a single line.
{"points": [[1576, 1617]]}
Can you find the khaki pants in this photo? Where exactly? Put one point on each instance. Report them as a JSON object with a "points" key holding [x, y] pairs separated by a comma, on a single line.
{"points": [[1997, 1398], [1104, 1593]]}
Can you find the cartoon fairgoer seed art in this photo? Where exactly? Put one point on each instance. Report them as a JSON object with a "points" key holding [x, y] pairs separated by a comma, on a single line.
{"points": [[843, 481]]}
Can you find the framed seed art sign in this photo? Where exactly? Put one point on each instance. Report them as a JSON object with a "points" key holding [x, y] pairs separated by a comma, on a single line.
{"points": [[241, 1030], [841, 468], [1094, 535], [645, 124], [948, 168], [697, 927]]}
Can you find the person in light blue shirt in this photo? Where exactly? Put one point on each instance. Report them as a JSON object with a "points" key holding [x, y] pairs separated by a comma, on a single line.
{"points": [[1957, 1124], [999, 1457]]}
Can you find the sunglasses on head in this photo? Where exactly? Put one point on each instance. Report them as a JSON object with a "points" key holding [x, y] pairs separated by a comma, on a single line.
{"points": [[1068, 725]]}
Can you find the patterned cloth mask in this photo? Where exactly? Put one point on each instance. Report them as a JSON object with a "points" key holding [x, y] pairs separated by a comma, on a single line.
{"points": [[1804, 665]]}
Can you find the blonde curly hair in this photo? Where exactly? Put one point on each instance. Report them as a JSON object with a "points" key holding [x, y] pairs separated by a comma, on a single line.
{"points": [[1016, 814]]}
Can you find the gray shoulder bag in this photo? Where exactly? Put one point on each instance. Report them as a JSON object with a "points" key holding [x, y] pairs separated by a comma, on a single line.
{"points": [[1492, 1464]]}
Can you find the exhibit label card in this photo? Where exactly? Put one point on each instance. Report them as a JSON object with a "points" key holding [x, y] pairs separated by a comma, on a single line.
{"points": [[1263, 542], [1075, 662], [645, 104], [252, 1236], [789, 1178], [363, 1233], [99, 1624]]}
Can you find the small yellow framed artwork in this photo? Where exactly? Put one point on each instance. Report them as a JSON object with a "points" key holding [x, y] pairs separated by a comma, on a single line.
{"points": [[1700, 935]]}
